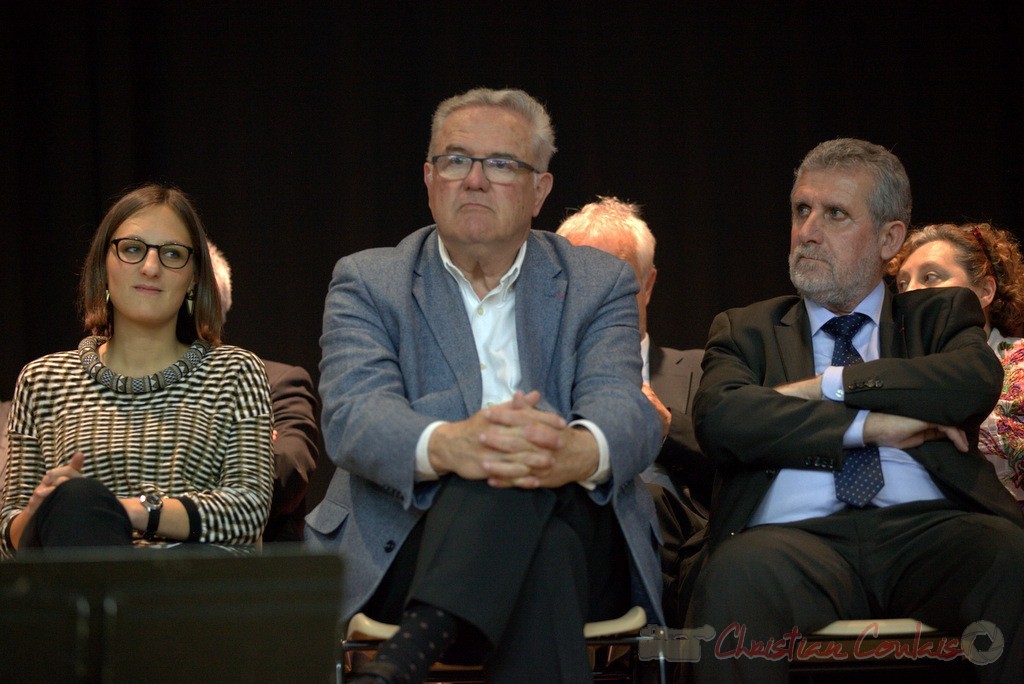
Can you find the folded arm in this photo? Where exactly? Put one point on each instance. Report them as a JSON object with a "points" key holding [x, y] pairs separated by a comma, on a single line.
{"points": [[950, 382]]}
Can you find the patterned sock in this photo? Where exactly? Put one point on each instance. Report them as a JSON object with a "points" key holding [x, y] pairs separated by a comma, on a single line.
{"points": [[423, 635]]}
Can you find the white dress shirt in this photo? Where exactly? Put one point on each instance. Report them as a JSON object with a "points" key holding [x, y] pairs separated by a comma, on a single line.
{"points": [[493, 320]]}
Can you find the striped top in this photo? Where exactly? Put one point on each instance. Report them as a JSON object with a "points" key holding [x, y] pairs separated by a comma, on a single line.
{"points": [[200, 431]]}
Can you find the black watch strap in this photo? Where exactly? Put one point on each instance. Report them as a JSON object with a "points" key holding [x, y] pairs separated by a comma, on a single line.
{"points": [[152, 524], [153, 501]]}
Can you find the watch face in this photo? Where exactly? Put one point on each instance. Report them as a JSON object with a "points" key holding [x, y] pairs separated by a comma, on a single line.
{"points": [[152, 501]]}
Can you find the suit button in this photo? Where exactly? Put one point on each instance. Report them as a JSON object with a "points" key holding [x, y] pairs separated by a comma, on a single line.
{"points": [[390, 546]]}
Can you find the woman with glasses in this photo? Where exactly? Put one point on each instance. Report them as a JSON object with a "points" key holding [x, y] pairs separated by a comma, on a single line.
{"points": [[151, 432], [988, 261]]}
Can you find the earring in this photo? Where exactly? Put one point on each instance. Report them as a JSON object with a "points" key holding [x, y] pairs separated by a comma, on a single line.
{"points": [[190, 301], [108, 296]]}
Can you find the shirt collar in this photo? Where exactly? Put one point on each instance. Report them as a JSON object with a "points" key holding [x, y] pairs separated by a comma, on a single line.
{"points": [[507, 280], [870, 306]]}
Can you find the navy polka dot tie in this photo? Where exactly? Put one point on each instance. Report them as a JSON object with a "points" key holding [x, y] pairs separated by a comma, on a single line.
{"points": [[861, 477]]}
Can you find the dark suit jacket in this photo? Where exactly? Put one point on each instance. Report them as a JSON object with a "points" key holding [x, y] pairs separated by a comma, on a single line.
{"points": [[675, 376], [295, 408], [936, 365]]}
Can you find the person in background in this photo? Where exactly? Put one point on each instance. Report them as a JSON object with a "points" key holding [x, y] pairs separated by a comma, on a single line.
{"points": [[987, 261], [296, 434], [681, 478], [152, 432]]}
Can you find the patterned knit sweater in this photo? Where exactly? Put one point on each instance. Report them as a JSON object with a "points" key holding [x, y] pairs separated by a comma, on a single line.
{"points": [[200, 431]]}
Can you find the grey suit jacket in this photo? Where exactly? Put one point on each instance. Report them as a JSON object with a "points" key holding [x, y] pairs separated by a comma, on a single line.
{"points": [[936, 365], [399, 353]]}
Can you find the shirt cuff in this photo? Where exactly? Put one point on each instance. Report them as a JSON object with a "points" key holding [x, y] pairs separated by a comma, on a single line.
{"points": [[424, 471], [604, 467], [832, 384], [853, 438], [195, 521]]}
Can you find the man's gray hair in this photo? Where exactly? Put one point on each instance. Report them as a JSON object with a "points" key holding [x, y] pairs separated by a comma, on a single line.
{"points": [[222, 276], [513, 100], [890, 199], [611, 217]]}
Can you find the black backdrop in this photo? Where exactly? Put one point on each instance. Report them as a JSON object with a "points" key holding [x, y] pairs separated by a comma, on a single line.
{"points": [[299, 128]]}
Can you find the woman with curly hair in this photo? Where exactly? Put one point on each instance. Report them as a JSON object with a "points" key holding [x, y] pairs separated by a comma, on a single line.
{"points": [[988, 261]]}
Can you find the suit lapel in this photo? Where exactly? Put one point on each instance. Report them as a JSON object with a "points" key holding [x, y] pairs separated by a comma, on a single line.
{"points": [[792, 334], [540, 298], [438, 297]]}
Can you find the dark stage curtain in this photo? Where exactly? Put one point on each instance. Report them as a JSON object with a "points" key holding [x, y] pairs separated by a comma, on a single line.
{"points": [[300, 130]]}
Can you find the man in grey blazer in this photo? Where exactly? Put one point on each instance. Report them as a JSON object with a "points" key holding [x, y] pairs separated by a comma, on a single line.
{"points": [[845, 423], [481, 393]]}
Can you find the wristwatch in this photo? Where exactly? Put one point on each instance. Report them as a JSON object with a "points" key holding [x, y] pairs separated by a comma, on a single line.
{"points": [[153, 501]]}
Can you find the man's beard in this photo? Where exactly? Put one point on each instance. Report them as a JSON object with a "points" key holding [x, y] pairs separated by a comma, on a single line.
{"points": [[840, 287]]}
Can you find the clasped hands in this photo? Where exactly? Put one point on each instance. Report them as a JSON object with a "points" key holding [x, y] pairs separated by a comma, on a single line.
{"points": [[514, 444]]}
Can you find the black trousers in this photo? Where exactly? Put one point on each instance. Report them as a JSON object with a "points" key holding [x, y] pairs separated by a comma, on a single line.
{"points": [[925, 560], [525, 569], [78, 512], [683, 523]]}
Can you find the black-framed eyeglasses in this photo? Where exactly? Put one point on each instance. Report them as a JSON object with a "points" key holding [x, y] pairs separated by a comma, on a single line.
{"points": [[496, 169], [133, 251]]}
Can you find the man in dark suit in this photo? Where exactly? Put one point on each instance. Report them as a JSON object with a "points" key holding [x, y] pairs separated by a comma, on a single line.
{"points": [[681, 478], [481, 389], [296, 434], [844, 423]]}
